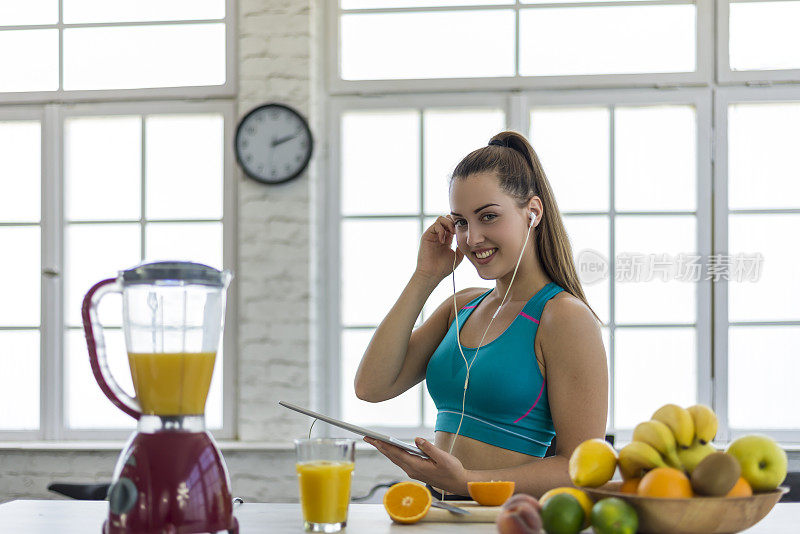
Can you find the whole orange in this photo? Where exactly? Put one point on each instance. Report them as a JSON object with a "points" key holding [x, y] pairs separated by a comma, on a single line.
{"points": [[665, 482], [630, 486], [740, 489]]}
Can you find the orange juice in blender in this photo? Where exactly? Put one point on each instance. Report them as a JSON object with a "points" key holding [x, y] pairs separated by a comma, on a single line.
{"points": [[172, 383]]}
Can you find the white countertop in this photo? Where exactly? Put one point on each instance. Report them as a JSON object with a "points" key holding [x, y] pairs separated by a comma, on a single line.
{"points": [[68, 517]]}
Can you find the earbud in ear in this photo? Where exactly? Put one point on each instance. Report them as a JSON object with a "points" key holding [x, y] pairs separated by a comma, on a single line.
{"points": [[531, 216]]}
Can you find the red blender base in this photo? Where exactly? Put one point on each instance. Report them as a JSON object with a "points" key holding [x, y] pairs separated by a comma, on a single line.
{"points": [[170, 483]]}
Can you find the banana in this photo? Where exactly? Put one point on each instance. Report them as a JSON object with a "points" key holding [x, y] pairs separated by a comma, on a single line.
{"points": [[679, 421], [705, 422], [660, 437], [637, 457]]}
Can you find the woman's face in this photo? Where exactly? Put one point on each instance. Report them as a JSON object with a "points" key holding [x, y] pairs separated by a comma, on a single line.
{"points": [[487, 220]]}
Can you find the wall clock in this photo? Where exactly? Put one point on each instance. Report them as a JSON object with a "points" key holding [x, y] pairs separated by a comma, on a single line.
{"points": [[273, 143]]}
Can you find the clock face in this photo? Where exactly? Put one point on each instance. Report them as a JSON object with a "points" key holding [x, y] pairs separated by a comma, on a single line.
{"points": [[273, 143]]}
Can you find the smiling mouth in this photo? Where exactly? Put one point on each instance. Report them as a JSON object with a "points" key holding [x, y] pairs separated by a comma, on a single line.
{"points": [[486, 254]]}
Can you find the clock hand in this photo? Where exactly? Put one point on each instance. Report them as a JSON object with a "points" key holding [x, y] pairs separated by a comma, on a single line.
{"points": [[276, 142]]}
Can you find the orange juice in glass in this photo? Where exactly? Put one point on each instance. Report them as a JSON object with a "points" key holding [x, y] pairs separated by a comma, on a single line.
{"points": [[324, 470]]}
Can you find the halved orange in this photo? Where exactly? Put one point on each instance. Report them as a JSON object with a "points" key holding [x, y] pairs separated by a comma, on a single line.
{"points": [[492, 493], [407, 502]]}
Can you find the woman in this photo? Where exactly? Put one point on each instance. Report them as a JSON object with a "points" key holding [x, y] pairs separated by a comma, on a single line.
{"points": [[537, 366]]}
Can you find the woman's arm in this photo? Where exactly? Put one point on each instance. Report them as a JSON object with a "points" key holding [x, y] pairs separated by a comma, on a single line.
{"points": [[577, 376], [577, 388]]}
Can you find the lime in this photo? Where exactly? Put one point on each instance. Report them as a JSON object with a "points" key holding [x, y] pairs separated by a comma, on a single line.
{"points": [[614, 516], [562, 514]]}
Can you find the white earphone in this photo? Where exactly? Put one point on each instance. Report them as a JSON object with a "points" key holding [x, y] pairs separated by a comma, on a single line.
{"points": [[531, 217]]}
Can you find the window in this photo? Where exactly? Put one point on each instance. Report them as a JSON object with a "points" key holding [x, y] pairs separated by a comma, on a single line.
{"points": [[640, 192], [502, 44], [101, 183]]}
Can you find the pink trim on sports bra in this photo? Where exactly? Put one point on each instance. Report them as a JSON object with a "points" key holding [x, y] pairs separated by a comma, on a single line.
{"points": [[534, 404]]}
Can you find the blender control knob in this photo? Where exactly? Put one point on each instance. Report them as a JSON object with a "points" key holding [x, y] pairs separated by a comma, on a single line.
{"points": [[122, 496]]}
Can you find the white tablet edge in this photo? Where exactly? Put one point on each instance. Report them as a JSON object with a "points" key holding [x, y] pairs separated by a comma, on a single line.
{"points": [[355, 429]]}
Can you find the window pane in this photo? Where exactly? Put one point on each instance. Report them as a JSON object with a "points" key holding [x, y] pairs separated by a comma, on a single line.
{"points": [[375, 4], [20, 171], [198, 242], [762, 373], [144, 56], [763, 35], [403, 410], [670, 354], [20, 271], [380, 162], [607, 40], [762, 154], [558, 135], [662, 238], [77, 11], [769, 290], [427, 45], [589, 236], [34, 64], [466, 276], [28, 12], [451, 134], [214, 400], [378, 259], [87, 405], [19, 381], [655, 158], [184, 166], [102, 166], [94, 253]]}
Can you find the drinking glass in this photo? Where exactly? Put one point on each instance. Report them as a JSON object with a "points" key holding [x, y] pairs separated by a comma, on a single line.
{"points": [[324, 470]]}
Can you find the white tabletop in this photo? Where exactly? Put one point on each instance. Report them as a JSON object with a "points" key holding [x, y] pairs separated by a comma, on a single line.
{"points": [[68, 517]]}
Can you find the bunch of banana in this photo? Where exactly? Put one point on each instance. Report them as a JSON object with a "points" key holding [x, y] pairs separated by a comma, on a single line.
{"points": [[674, 437]]}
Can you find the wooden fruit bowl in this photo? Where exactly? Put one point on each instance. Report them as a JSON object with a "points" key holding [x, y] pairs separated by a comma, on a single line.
{"points": [[698, 515]]}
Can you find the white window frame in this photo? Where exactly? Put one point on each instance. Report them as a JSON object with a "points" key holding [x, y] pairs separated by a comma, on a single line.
{"points": [[703, 75], [329, 205], [52, 425], [228, 90], [517, 109], [749, 77], [724, 97], [701, 100]]}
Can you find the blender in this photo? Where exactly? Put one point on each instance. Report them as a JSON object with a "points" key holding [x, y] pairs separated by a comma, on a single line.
{"points": [[170, 476]]}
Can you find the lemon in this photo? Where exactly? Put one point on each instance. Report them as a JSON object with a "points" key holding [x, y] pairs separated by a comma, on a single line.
{"points": [[592, 463], [614, 516], [562, 514], [583, 499]]}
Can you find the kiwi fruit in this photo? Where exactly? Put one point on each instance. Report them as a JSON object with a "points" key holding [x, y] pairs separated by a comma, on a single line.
{"points": [[716, 474]]}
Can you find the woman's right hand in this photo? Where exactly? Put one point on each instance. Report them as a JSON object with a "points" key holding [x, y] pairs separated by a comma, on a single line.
{"points": [[435, 257]]}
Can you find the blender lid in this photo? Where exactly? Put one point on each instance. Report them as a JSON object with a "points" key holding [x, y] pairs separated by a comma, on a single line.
{"points": [[176, 271]]}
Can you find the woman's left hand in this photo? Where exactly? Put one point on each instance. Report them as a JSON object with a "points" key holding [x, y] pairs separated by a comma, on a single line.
{"points": [[441, 470]]}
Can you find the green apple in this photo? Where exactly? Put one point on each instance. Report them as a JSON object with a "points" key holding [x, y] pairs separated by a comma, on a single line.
{"points": [[763, 462], [694, 454]]}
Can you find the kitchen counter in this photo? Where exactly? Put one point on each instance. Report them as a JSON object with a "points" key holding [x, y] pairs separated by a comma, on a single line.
{"points": [[68, 517]]}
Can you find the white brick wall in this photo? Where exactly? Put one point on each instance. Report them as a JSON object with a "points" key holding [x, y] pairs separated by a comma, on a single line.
{"points": [[277, 62]]}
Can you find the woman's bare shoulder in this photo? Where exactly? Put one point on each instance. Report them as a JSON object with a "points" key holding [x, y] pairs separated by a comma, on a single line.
{"points": [[565, 313]]}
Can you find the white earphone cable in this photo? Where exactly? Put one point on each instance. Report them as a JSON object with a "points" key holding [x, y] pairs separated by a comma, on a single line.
{"points": [[458, 336]]}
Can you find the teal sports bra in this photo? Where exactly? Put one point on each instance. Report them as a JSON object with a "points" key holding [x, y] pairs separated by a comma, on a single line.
{"points": [[506, 403]]}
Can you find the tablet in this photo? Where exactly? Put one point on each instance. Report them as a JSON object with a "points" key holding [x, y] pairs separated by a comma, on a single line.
{"points": [[356, 429]]}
